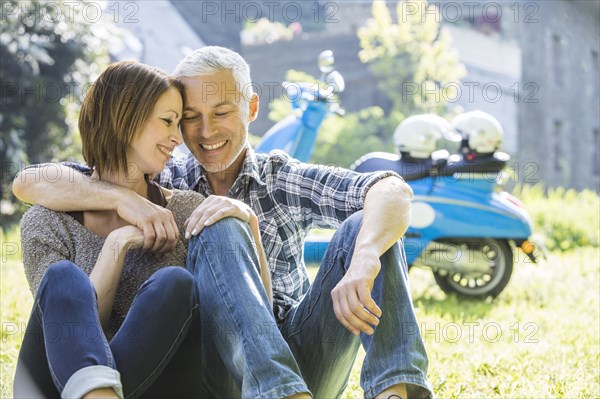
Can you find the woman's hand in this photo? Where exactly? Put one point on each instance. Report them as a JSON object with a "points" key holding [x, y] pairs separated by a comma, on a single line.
{"points": [[125, 238], [213, 209], [108, 268]]}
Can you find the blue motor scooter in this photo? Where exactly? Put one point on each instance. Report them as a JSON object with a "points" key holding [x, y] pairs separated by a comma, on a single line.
{"points": [[463, 226], [313, 102]]}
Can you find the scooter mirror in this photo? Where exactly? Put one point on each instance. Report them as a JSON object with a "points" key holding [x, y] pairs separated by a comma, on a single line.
{"points": [[326, 61], [336, 80]]}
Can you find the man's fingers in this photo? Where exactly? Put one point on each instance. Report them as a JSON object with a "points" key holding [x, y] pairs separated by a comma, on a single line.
{"points": [[363, 318], [339, 313], [161, 237], [364, 295], [149, 236], [171, 239], [357, 315]]}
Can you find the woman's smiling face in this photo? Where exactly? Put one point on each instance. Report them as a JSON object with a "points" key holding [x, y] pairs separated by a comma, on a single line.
{"points": [[151, 148]]}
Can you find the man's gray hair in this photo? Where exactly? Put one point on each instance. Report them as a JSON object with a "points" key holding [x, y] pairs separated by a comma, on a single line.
{"points": [[213, 59]]}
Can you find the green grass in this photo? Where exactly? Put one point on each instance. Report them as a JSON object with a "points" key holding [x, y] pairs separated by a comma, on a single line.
{"points": [[548, 317], [549, 347]]}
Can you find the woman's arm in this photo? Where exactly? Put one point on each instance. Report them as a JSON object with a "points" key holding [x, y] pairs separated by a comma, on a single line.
{"points": [[108, 268]]}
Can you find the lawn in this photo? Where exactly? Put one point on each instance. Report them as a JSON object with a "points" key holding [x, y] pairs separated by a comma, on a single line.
{"points": [[539, 338]]}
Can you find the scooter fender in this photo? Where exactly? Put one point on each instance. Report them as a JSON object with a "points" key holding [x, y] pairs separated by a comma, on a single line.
{"points": [[282, 136], [444, 215]]}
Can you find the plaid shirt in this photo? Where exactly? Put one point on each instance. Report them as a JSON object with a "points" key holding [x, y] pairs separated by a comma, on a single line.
{"points": [[289, 198]]}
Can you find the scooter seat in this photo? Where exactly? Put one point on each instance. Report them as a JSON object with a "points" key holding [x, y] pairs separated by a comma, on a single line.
{"points": [[406, 166], [475, 164]]}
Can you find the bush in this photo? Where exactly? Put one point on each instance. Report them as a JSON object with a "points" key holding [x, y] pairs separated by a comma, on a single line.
{"points": [[566, 219]]}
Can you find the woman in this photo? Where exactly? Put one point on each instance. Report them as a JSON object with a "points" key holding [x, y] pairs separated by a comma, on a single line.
{"points": [[110, 320]]}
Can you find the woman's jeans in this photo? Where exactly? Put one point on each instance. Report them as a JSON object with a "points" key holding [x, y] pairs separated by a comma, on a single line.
{"points": [[154, 353]]}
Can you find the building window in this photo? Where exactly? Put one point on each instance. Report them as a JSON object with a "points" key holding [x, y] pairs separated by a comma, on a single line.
{"points": [[596, 153], [558, 150], [558, 59]]}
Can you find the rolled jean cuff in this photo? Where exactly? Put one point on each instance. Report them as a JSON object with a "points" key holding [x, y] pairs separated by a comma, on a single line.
{"points": [[89, 378]]}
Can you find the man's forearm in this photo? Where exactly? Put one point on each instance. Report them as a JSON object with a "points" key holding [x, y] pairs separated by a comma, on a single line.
{"points": [[386, 215], [63, 189]]}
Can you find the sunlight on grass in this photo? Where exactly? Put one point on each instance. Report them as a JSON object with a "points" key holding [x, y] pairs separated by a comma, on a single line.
{"points": [[540, 338]]}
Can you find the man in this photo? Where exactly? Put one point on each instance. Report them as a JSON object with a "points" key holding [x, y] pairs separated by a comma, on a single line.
{"points": [[360, 294]]}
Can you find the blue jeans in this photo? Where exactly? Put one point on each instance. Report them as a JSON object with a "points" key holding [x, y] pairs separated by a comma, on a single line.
{"points": [[65, 351], [326, 350], [250, 357], [243, 352]]}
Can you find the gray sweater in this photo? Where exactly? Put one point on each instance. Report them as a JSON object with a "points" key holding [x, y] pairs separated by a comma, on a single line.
{"points": [[48, 237]]}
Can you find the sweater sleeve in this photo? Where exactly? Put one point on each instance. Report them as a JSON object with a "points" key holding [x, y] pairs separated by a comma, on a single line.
{"points": [[44, 239], [183, 203]]}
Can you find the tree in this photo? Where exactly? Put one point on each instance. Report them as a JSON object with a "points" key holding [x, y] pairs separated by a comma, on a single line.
{"points": [[49, 51], [416, 68], [412, 58], [342, 139]]}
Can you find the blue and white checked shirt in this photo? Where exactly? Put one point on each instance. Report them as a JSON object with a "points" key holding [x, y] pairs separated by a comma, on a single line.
{"points": [[289, 198]]}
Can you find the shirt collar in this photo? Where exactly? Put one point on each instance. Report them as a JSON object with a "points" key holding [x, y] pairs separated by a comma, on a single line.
{"points": [[250, 171], [250, 168]]}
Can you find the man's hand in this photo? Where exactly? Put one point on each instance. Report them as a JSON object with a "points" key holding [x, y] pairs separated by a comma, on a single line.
{"points": [[157, 223], [213, 209], [352, 302], [386, 215]]}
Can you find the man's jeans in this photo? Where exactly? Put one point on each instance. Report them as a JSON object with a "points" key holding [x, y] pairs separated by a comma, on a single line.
{"points": [[243, 348], [325, 349], [243, 352], [65, 352]]}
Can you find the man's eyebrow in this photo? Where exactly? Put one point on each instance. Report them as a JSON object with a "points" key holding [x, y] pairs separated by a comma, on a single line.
{"points": [[221, 104], [226, 102]]}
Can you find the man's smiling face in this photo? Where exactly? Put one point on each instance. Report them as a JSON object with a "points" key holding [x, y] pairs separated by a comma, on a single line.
{"points": [[215, 120]]}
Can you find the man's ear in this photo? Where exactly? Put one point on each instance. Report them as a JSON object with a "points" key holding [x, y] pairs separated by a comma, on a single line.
{"points": [[253, 108]]}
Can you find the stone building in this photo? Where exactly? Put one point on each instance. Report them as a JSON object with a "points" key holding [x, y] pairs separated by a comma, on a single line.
{"points": [[559, 126]]}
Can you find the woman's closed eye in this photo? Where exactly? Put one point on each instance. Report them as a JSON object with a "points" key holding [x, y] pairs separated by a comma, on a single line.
{"points": [[168, 121]]}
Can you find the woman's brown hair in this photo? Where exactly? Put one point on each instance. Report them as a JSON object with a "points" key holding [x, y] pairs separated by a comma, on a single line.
{"points": [[116, 108]]}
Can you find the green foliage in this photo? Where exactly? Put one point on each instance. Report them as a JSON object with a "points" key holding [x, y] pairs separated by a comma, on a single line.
{"points": [[281, 107], [342, 140], [566, 219], [413, 59], [264, 31], [416, 68], [48, 56]]}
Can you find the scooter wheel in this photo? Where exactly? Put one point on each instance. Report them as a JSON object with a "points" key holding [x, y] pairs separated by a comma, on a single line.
{"points": [[480, 285]]}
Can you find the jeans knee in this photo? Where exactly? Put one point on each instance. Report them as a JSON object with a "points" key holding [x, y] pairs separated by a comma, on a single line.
{"points": [[350, 227], [174, 278], [64, 272], [175, 282], [226, 228], [64, 281]]}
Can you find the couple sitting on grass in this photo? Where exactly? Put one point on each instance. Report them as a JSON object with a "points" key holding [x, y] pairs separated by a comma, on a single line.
{"points": [[162, 277]]}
